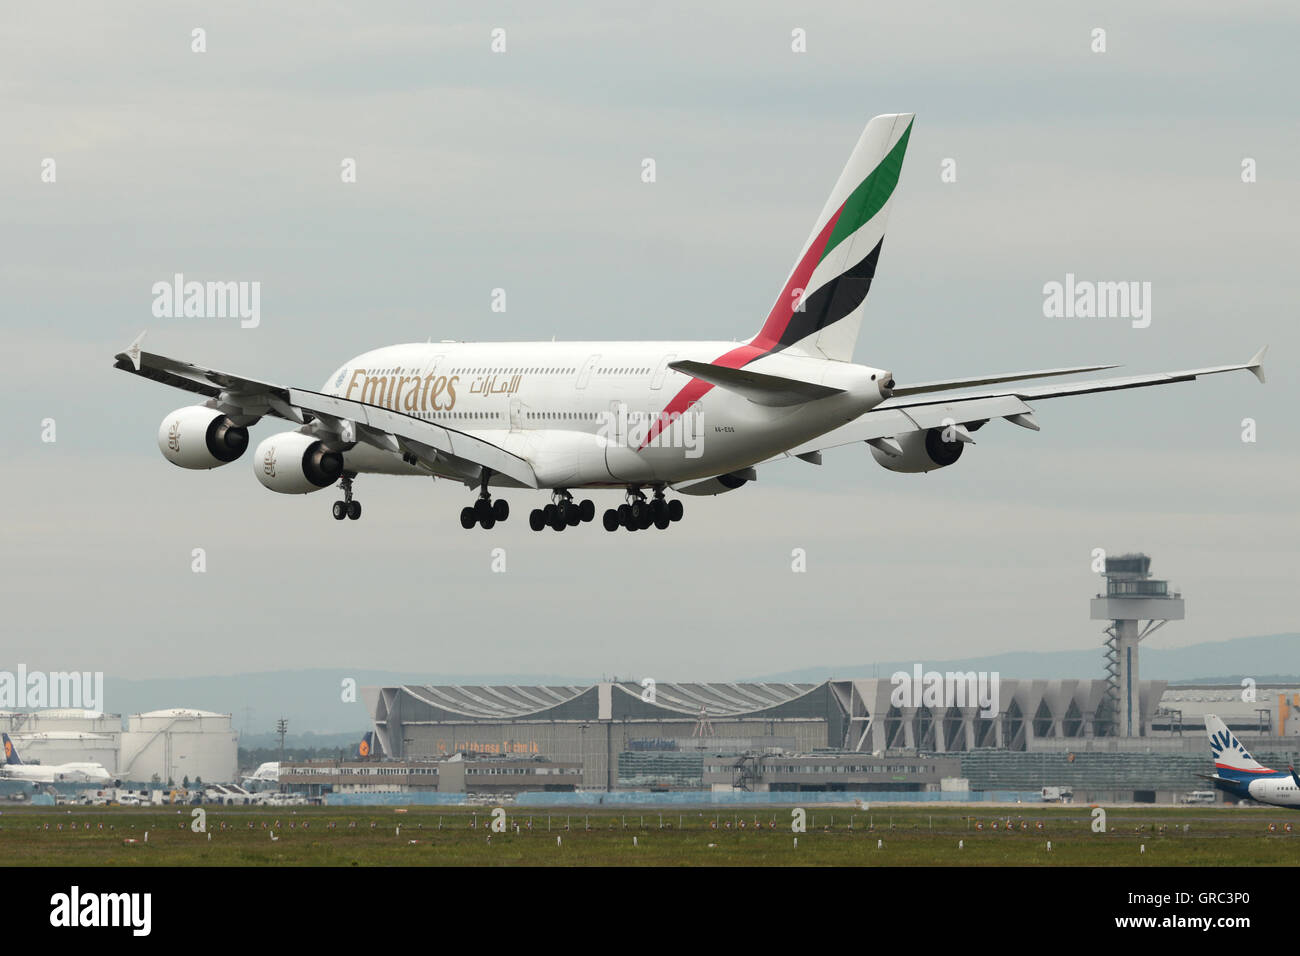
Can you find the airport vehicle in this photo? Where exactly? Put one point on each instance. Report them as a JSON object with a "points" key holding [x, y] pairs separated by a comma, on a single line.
{"points": [[13, 768], [694, 417], [1241, 775]]}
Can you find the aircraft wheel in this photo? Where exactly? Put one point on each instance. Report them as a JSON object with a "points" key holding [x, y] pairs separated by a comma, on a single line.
{"points": [[646, 520], [536, 519], [662, 521], [354, 510], [587, 509], [501, 509], [610, 520], [624, 515], [468, 518], [675, 510], [638, 508], [488, 522], [573, 516], [340, 510], [483, 509]]}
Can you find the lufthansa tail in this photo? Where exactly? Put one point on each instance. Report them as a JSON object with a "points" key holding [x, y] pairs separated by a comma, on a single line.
{"points": [[11, 752], [819, 310]]}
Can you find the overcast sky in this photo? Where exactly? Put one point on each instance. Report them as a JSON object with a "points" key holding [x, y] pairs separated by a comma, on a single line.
{"points": [[521, 170]]}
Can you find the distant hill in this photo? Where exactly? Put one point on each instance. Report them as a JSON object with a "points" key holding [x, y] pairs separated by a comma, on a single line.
{"points": [[1275, 657], [310, 699]]}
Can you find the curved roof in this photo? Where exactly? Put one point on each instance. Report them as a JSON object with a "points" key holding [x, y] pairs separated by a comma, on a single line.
{"points": [[181, 712], [520, 702]]}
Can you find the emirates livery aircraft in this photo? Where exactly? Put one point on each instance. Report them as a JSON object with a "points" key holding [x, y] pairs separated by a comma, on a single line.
{"points": [[641, 417]]}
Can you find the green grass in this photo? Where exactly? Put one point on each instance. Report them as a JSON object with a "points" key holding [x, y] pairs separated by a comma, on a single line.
{"points": [[911, 836]]}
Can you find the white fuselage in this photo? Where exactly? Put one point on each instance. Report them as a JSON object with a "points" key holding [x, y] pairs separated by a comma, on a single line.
{"points": [[600, 413], [1279, 791], [56, 773]]}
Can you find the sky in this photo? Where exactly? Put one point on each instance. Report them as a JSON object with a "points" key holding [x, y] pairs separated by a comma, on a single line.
{"points": [[521, 170]]}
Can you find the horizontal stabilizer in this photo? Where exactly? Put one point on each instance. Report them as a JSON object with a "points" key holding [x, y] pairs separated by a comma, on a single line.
{"points": [[760, 389]]}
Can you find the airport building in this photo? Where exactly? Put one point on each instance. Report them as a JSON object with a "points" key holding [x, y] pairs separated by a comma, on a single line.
{"points": [[458, 773]]}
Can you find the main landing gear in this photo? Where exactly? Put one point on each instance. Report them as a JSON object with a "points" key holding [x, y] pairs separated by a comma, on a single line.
{"points": [[638, 514], [563, 512], [347, 508], [485, 512]]}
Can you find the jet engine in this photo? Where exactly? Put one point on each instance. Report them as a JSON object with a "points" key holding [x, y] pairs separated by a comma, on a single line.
{"points": [[198, 437], [292, 463], [922, 451]]}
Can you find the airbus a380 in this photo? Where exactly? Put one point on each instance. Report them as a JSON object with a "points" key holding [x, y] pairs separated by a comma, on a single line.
{"points": [[644, 417]]}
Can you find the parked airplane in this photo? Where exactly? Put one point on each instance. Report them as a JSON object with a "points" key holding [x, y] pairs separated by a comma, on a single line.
{"points": [[643, 417], [1240, 774], [14, 769]]}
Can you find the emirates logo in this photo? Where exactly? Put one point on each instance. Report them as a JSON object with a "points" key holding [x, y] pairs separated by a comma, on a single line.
{"points": [[174, 436], [268, 463]]}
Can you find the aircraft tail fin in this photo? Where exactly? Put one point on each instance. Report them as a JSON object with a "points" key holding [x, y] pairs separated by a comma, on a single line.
{"points": [[11, 752], [819, 310], [1231, 759]]}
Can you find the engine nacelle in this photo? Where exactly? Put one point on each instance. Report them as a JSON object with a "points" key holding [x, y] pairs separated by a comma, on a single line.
{"points": [[296, 464], [922, 451], [198, 437]]}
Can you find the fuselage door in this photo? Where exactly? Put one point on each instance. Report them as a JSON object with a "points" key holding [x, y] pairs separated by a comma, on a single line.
{"points": [[516, 414]]}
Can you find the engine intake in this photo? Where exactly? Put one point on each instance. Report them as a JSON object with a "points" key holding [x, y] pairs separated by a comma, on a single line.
{"points": [[197, 437], [922, 451], [292, 463]]}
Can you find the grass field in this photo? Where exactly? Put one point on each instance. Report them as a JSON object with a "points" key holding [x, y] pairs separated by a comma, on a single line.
{"points": [[460, 836]]}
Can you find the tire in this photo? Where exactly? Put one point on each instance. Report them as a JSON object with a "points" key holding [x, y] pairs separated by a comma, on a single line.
{"points": [[488, 522], [354, 510], [646, 520], [573, 516], [675, 510], [610, 520], [638, 508], [468, 518], [483, 508], [662, 521], [587, 509], [501, 509], [658, 507], [536, 519], [551, 513], [624, 515], [340, 510], [558, 523]]}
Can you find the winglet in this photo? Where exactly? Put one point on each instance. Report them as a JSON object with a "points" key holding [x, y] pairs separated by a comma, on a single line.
{"points": [[1256, 365], [132, 352]]}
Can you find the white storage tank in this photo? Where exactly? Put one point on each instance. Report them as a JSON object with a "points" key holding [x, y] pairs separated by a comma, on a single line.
{"points": [[60, 720], [179, 743]]}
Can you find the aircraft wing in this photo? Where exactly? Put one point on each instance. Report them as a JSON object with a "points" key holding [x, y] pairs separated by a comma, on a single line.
{"points": [[329, 417], [914, 410]]}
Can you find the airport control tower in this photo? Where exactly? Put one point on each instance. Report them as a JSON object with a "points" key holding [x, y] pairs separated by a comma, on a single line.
{"points": [[1132, 596]]}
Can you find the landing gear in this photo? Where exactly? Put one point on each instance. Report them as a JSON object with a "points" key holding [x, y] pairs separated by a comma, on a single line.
{"points": [[347, 508], [563, 512], [485, 511], [638, 513]]}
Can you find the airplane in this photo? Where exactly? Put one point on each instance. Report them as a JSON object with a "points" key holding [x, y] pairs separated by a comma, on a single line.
{"points": [[13, 768], [695, 418], [1241, 775]]}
